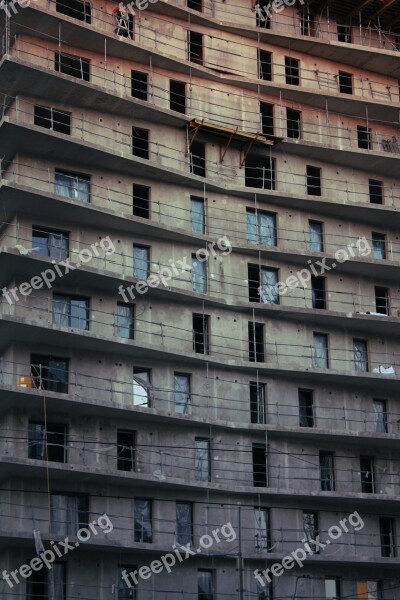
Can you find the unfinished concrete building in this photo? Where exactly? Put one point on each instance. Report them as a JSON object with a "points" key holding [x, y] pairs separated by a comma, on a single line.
{"points": [[250, 158]]}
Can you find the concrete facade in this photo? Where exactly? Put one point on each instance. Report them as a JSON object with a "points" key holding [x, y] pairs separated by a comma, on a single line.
{"points": [[267, 434]]}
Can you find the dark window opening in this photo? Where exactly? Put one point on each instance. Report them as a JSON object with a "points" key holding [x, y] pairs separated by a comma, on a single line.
{"points": [[253, 274], [47, 445], [124, 324], [126, 592], [256, 342], [126, 450], [263, 14], [264, 65], [51, 118], [195, 5], [259, 465], [257, 402], [388, 544], [263, 284], [143, 520], [292, 70], [201, 333], [205, 584], [314, 181], [378, 245], [140, 142], [344, 33], [46, 584], [177, 96], [382, 300], [260, 172], [141, 201], [293, 123], [380, 414], [327, 474], [51, 243], [195, 45], [375, 191], [70, 64], [316, 233], [360, 349], [367, 475], [124, 26], [50, 373], [311, 531], [345, 82], [318, 292], [72, 185], [306, 408], [71, 311], [267, 118], [364, 137], [139, 85], [307, 22], [76, 9], [198, 159]]}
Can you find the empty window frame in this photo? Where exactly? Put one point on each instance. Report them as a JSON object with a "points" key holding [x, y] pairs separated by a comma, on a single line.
{"points": [[71, 311], [320, 351], [199, 275], [259, 452], [198, 214], [141, 201], [293, 123], [264, 65], [55, 438], [126, 592], [126, 450], [69, 513], [364, 137], [205, 584], [72, 185], [311, 530], [263, 14], [52, 118], [260, 172], [177, 96], [367, 474], [141, 262], [262, 527], [47, 584], [375, 191], [263, 284], [314, 175], [292, 70], [124, 23], [345, 81], [197, 157], [195, 5], [264, 592], [318, 290], [50, 373], [257, 403], [332, 589], [378, 245], [124, 326], [316, 236], [307, 22], [201, 333], [139, 85], [182, 393], [202, 462], [48, 242], [82, 11], [360, 350], [256, 342], [267, 118], [388, 537], [380, 415], [344, 33], [306, 408], [382, 301], [327, 471], [143, 520], [195, 47], [69, 64], [140, 142], [141, 386], [261, 227], [184, 523]]}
